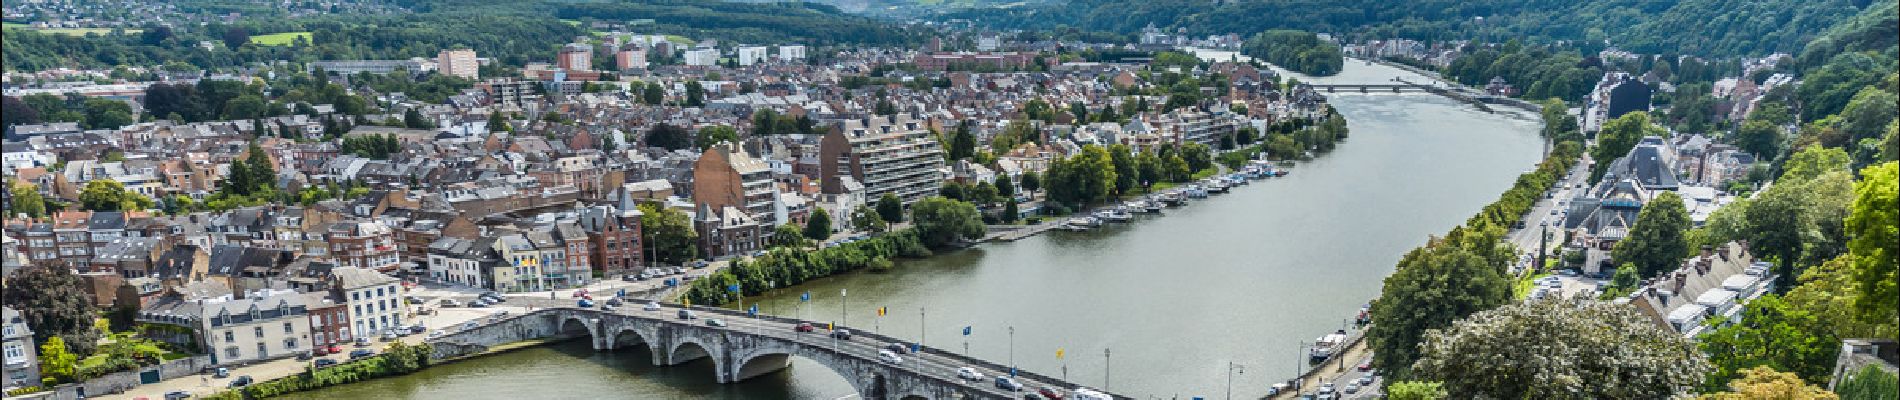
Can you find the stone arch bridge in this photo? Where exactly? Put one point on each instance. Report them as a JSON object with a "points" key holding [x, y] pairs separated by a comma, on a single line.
{"points": [[746, 347]]}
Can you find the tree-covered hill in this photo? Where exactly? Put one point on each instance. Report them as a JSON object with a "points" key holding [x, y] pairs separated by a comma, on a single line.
{"points": [[1700, 27]]}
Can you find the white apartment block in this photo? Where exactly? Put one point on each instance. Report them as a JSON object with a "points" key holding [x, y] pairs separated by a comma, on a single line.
{"points": [[375, 300], [702, 57], [751, 55], [789, 53]]}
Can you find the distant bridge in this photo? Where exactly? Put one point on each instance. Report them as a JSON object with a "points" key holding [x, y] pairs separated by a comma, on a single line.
{"points": [[748, 347], [1369, 87]]}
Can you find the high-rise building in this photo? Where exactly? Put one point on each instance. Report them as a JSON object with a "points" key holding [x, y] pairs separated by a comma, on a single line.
{"points": [[751, 55], [886, 154], [790, 53], [458, 62], [725, 176], [629, 57], [575, 57], [702, 57]]}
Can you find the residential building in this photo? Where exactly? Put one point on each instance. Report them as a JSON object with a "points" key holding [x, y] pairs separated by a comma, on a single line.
{"points": [[364, 245], [750, 55], [329, 319], [631, 56], [458, 63], [887, 154], [790, 53], [726, 176], [267, 325], [575, 57], [702, 57], [375, 300], [22, 367], [614, 234]]}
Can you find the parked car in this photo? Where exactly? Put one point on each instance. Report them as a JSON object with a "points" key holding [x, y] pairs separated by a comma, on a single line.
{"points": [[241, 381], [1365, 380], [450, 303], [336, 349], [841, 334], [969, 374], [898, 348], [1008, 383], [303, 356], [417, 328], [221, 373], [389, 335], [1365, 366], [177, 394], [362, 341], [321, 351], [715, 322], [361, 353], [1352, 388], [804, 327], [325, 362], [889, 357], [686, 314], [652, 306]]}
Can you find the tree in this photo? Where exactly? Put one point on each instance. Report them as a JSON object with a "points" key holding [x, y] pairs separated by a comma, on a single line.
{"points": [[1870, 383], [1031, 182], [262, 174], [413, 119], [13, 111], [1623, 282], [1011, 211], [1555, 348], [962, 143], [711, 135], [1763, 383], [787, 235], [1761, 138], [1799, 219], [1415, 390], [1813, 161], [498, 123], [1004, 188], [818, 226], [110, 195], [1875, 227], [654, 94], [26, 199], [1127, 178], [1773, 334], [1198, 157], [1618, 136], [695, 94], [55, 304], [866, 219], [57, 364], [941, 222], [1656, 243], [236, 36], [107, 113], [669, 233], [668, 137], [890, 208], [1434, 285], [246, 106]]}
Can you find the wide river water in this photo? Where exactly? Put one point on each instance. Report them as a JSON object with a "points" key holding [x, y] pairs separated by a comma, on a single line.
{"points": [[1239, 278]]}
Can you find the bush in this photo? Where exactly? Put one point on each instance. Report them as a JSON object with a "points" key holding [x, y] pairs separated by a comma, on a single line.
{"points": [[793, 265], [25, 391], [398, 359]]}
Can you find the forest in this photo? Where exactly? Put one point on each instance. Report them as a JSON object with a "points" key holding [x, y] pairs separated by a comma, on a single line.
{"points": [[1711, 28]]}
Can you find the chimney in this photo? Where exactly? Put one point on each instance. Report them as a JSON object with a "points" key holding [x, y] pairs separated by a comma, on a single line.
{"points": [[1705, 250], [1723, 252]]}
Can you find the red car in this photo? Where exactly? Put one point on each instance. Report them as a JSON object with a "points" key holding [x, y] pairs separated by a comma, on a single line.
{"points": [[322, 351], [804, 327], [1365, 366], [1052, 393]]}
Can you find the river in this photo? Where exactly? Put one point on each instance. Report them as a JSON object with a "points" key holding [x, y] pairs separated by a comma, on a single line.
{"points": [[1241, 278]]}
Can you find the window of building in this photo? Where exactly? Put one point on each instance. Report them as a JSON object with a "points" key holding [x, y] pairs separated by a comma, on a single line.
{"points": [[259, 330], [354, 297], [261, 351], [290, 343], [230, 336], [231, 352], [287, 328], [15, 351]]}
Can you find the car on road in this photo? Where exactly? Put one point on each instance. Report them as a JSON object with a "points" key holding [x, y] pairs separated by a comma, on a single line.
{"points": [[361, 353], [652, 306], [804, 327], [585, 303], [362, 341], [177, 394], [417, 328], [898, 348], [303, 356], [1352, 388], [1326, 388], [686, 314], [241, 381], [469, 325], [325, 362], [614, 301], [478, 303], [438, 333], [715, 322], [1008, 383], [1365, 380], [969, 374], [390, 335], [450, 303], [889, 357], [321, 351], [841, 334], [221, 373], [1365, 366], [1050, 392]]}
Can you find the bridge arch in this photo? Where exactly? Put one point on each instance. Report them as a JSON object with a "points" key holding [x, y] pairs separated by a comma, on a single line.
{"points": [[687, 348], [574, 326]]}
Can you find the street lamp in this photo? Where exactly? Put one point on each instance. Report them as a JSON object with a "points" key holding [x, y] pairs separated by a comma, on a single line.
{"points": [[1012, 350], [1231, 366]]}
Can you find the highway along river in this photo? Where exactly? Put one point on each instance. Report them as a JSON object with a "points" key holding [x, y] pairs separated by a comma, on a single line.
{"points": [[1242, 277]]}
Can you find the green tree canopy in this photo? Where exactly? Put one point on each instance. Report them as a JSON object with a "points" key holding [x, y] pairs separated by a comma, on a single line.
{"points": [[668, 233], [941, 222], [1656, 244], [890, 208], [1774, 334], [1434, 285], [110, 195], [1874, 226], [818, 226], [1556, 348], [1618, 136], [55, 304]]}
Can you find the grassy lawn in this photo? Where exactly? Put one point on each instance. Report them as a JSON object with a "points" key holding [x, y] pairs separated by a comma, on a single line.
{"points": [[1522, 288], [679, 39], [280, 39], [69, 31], [1204, 174]]}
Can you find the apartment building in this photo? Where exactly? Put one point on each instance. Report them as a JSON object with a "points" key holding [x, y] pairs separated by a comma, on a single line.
{"points": [[886, 154], [725, 176], [459, 63], [22, 367], [266, 325], [375, 300]]}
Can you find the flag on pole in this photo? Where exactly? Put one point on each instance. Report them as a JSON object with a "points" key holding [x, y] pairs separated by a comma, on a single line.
{"points": [[966, 330], [880, 311], [1058, 353], [831, 326], [754, 311], [914, 348], [733, 288], [841, 292], [806, 297]]}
